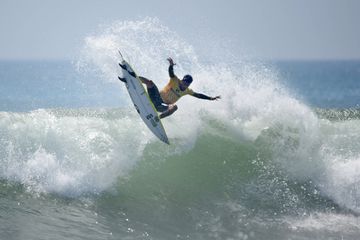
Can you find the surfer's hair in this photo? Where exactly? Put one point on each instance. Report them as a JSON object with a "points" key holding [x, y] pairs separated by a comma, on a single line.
{"points": [[188, 79]]}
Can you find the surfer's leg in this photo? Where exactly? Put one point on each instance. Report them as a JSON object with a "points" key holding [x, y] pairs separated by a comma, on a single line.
{"points": [[169, 111], [147, 82], [155, 98]]}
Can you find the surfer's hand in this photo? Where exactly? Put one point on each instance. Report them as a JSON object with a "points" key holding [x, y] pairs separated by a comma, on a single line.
{"points": [[216, 98], [171, 62]]}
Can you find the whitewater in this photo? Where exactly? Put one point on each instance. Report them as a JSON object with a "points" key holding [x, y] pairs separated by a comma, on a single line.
{"points": [[260, 163]]}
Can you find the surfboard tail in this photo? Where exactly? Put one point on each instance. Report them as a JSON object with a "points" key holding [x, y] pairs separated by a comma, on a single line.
{"points": [[166, 140]]}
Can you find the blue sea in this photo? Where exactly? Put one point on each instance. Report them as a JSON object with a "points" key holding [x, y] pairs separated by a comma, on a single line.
{"points": [[278, 157]]}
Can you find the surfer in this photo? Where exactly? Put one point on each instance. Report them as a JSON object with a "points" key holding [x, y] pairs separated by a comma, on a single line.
{"points": [[164, 101]]}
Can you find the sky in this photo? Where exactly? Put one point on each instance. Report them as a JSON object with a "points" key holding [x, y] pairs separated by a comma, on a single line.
{"points": [[266, 29]]}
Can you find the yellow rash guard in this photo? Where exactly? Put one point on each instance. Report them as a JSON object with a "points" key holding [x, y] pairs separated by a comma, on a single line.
{"points": [[171, 92]]}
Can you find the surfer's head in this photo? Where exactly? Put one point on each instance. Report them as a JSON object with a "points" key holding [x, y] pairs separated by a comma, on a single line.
{"points": [[187, 79]]}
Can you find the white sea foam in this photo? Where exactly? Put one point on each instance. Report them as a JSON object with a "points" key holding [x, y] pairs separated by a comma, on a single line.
{"points": [[68, 154]]}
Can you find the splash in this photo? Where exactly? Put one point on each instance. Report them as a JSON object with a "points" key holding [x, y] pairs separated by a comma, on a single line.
{"points": [[252, 97]]}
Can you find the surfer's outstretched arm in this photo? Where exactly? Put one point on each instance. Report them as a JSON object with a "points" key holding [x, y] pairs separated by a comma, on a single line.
{"points": [[203, 96]]}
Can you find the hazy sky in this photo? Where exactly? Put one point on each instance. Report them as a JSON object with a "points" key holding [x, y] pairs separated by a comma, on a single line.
{"points": [[275, 29]]}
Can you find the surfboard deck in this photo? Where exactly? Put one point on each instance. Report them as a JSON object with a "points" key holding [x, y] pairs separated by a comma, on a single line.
{"points": [[141, 101]]}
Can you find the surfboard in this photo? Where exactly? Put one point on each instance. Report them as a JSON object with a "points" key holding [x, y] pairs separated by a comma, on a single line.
{"points": [[141, 101]]}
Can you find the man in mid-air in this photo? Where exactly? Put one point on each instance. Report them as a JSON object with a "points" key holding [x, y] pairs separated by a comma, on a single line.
{"points": [[173, 91]]}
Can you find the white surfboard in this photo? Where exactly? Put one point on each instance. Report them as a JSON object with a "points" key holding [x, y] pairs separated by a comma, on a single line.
{"points": [[142, 101]]}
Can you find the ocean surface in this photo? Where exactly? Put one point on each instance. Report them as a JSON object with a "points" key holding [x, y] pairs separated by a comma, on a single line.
{"points": [[278, 157]]}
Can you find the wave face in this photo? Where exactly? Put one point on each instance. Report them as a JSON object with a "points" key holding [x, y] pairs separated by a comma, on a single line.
{"points": [[256, 157]]}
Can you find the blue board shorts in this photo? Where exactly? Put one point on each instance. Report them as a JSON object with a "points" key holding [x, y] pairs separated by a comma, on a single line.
{"points": [[156, 99]]}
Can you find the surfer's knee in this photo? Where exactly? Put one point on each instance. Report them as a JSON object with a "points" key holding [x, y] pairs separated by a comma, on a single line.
{"points": [[150, 84]]}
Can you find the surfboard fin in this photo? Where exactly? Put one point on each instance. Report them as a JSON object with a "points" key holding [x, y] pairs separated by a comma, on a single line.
{"points": [[122, 66], [122, 79]]}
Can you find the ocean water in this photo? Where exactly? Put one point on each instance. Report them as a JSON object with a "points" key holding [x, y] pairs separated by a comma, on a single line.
{"points": [[278, 157]]}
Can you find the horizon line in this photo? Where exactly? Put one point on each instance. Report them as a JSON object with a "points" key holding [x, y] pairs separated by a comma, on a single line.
{"points": [[246, 59]]}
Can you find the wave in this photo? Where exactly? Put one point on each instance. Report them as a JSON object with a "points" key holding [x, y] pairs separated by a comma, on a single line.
{"points": [[258, 146], [75, 152]]}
